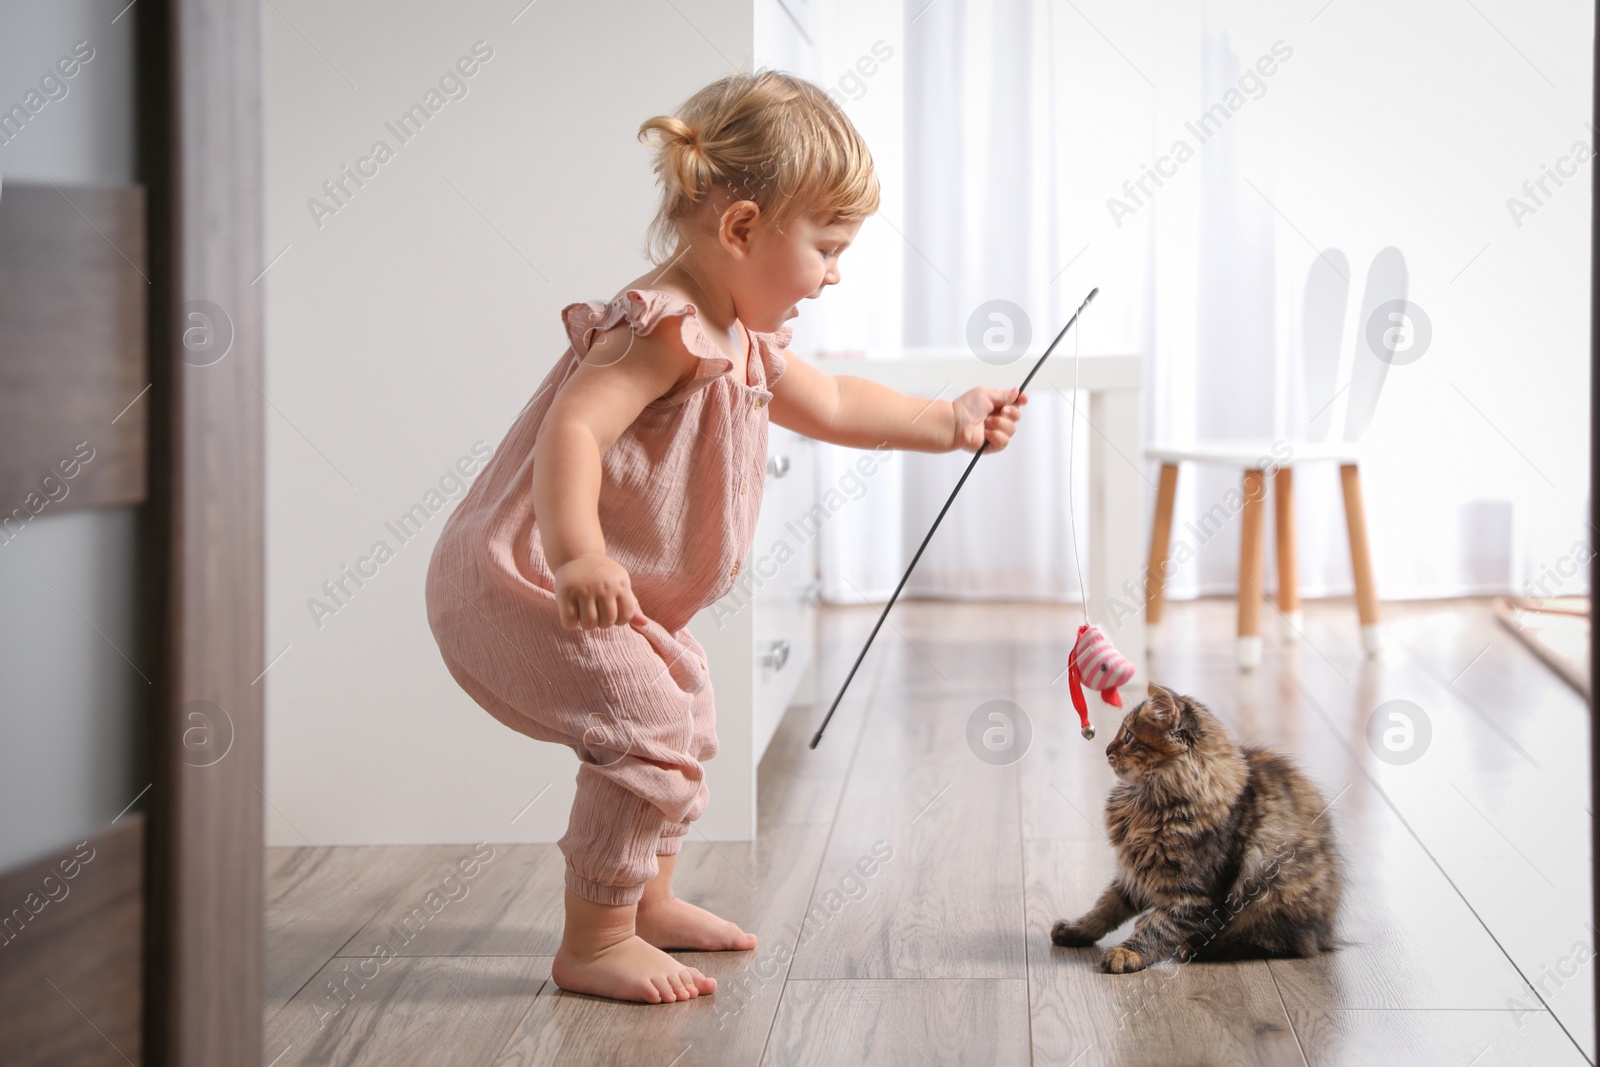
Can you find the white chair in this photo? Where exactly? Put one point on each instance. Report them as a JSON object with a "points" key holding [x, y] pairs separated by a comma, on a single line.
{"points": [[1327, 291]]}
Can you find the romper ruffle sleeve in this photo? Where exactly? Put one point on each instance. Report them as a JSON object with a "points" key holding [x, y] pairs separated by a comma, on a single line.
{"points": [[644, 310]]}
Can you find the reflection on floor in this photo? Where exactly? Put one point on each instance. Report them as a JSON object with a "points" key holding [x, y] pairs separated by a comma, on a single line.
{"points": [[1467, 916]]}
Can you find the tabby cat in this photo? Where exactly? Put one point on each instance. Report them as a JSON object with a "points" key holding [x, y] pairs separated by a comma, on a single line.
{"points": [[1223, 851]]}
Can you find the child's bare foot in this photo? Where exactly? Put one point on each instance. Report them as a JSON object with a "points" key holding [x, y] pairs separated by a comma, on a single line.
{"points": [[629, 970], [674, 923], [601, 955], [667, 922]]}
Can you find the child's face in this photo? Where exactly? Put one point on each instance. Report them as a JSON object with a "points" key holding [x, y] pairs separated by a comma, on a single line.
{"points": [[789, 266]]}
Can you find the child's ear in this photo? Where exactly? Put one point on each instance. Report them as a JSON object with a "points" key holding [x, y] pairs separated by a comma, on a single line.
{"points": [[736, 230], [1162, 707]]}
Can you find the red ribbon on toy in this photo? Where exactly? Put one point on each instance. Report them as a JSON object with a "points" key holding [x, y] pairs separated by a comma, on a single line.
{"points": [[1097, 664]]}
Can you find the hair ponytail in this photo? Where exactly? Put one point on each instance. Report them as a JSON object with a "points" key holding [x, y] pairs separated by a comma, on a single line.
{"points": [[682, 166]]}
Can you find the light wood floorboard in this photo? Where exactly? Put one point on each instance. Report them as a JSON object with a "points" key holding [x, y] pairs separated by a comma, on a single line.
{"points": [[903, 887]]}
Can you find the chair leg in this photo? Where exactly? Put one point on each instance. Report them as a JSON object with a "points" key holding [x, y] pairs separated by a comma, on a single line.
{"points": [[1252, 559], [1361, 559], [1160, 542], [1288, 569]]}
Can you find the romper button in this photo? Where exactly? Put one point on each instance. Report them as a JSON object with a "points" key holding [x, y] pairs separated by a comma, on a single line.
{"points": [[743, 486], [735, 568]]}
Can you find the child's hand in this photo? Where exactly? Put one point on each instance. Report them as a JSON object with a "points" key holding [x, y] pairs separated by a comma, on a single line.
{"points": [[986, 413], [594, 590]]}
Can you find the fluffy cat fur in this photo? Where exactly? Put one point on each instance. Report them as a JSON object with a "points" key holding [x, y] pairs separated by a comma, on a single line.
{"points": [[1223, 851]]}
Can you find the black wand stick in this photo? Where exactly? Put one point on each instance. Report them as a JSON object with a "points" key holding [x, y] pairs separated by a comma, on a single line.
{"points": [[935, 526]]}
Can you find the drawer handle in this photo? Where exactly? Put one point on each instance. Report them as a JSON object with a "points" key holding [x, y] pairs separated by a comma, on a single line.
{"points": [[778, 466], [813, 594], [776, 656]]}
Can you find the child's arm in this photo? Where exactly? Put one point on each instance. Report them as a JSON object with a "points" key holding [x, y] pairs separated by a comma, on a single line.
{"points": [[857, 413], [622, 373]]}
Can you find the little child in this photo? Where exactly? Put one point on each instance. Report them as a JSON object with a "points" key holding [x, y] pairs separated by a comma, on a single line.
{"points": [[560, 590]]}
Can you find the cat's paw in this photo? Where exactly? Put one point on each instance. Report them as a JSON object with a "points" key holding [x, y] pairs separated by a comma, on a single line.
{"points": [[1070, 935], [1120, 960]]}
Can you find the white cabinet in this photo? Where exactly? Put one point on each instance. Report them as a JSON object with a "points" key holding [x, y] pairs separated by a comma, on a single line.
{"points": [[761, 638]]}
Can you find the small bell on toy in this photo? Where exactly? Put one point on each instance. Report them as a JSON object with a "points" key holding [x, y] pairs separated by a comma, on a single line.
{"points": [[1097, 664]]}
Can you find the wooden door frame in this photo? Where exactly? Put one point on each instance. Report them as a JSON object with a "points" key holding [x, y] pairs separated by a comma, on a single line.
{"points": [[200, 138]]}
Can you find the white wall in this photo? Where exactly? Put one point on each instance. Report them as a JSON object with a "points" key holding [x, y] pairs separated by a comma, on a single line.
{"points": [[412, 323]]}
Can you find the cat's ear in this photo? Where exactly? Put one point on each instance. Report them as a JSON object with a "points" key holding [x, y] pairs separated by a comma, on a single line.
{"points": [[1162, 707]]}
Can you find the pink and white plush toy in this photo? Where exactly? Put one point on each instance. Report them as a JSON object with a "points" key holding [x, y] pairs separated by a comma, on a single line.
{"points": [[1097, 664]]}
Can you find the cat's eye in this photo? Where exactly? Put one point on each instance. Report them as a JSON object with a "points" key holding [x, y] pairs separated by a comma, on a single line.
{"points": [[1127, 738]]}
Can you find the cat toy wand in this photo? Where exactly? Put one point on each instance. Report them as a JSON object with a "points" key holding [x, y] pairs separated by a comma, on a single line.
{"points": [[1088, 731]]}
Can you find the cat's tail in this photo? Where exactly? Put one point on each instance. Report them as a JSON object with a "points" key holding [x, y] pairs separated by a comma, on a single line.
{"points": [[1288, 942]]}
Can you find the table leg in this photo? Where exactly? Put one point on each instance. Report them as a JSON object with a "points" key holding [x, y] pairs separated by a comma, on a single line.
{"points": [[1117, 527]]}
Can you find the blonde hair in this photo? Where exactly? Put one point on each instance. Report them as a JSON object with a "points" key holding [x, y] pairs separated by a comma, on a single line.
{"points": [[765, 136]]}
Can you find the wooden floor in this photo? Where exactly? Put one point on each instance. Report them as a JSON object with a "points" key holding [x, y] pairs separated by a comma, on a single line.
{"points": [[1467, 914]]}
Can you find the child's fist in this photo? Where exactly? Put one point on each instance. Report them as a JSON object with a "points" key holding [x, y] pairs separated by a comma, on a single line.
{"points": [[594, 590], [988, 414]]}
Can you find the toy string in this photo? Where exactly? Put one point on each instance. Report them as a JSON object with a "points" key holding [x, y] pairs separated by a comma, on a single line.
{"points": [[1072, 437], [981, 449]]}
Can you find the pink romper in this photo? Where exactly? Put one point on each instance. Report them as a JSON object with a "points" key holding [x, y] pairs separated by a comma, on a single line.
{"points": [[679, 495]]}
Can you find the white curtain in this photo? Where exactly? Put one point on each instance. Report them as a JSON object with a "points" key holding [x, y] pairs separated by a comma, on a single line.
{"points": [[1012, 139]]}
